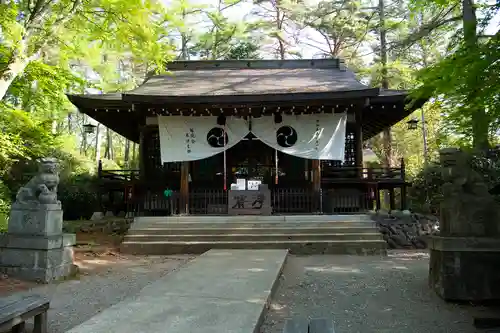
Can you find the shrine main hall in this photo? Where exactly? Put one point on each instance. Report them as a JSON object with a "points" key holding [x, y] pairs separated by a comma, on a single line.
{"points": [[250, 137]]}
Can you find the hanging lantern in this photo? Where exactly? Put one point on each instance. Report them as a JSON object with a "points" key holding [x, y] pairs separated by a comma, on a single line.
{"points": [[412, 124], [89, 128]]}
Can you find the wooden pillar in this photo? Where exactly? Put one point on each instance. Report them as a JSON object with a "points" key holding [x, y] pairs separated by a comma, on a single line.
{"points": [[184, 194], [316, 168], [403, 188], [142, 154], [101, 186], [377, 198], [359, 140], [392, 199]]}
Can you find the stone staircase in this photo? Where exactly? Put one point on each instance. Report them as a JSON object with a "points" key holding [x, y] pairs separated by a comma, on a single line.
{"points": [[301, 234]]}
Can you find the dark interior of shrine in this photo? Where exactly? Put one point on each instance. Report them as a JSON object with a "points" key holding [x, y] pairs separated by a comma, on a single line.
{"points": [[248, 159]]}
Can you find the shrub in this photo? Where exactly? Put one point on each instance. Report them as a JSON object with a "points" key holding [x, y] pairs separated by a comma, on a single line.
{"points": [[425, 193], [78, 195], [4, 206]]}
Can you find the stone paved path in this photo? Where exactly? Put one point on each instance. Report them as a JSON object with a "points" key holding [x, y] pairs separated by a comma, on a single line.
{"points": [[366, 295], [221, 291]]}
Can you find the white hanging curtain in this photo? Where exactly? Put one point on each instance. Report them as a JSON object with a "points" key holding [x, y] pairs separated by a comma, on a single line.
{"points": [[194, 138], [312, 136]]}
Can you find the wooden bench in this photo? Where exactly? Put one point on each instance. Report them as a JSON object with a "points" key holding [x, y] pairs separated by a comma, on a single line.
{"points": [[304, 325], [15, 311]]}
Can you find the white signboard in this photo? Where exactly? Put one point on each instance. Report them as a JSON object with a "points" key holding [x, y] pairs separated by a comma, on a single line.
{"points": [[241, 183], [253, 185]]}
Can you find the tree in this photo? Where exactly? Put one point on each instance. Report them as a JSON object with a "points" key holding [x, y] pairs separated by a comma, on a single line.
{"points": [[344, 26], [276, 21], [223, 33], [74, 29], [466, 79], [243, 50]]}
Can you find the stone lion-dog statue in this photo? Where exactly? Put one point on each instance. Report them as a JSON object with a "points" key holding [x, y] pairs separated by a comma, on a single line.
{"points": [[42, 188]]}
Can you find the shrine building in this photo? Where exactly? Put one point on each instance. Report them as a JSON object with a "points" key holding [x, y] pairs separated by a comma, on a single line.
{"points": [[250, 137]]}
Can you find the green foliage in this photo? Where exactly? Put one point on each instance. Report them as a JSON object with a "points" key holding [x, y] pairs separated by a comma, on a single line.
{"points": [[344, 26], [425, 194], [4, 206], [467, 82], [78, 195], [223, 35], [243, 50], [64, 34]]}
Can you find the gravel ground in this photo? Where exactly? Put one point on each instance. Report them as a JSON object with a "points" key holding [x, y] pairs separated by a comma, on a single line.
{"points": [[366, 295], [75, 301]]}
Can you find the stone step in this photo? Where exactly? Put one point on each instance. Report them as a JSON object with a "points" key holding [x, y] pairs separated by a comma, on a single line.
{"points": [[224, 230], [235, 225], [254, 218], [251, 237], [363, 247]]}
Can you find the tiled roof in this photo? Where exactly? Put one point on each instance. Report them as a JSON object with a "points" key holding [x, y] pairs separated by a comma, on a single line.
{"points": [[226, 82]]}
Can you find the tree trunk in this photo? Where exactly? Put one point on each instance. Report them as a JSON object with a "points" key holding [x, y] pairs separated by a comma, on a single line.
{"points": [[279, 26], [386, 134], [97, 144], [70, 123], [16, 67], [83, 144], [109, 145], [134, 148], [480, 121], [126, 154]]}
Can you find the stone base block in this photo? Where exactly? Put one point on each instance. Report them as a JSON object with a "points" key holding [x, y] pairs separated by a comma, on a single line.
{"points": [[43, 220], [14, 241], [465, 269], [37, 259]]}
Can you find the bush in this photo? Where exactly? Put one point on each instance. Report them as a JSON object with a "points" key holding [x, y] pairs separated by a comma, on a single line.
{"points": [[425, 193], [77, 186], [79, 196], [4, 206]]}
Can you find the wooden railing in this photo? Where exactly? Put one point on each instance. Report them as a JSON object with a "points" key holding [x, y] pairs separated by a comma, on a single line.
{"points": [[363, 173], [295, 201], [283, 201], [199, 202], [329, 175], [119, 175]]}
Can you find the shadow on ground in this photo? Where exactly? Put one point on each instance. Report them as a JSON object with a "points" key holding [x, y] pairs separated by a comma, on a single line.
{"points": [[367, 295]]}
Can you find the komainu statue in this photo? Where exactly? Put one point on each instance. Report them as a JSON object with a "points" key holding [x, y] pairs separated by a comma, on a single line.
{"points": [[467, 207], [42, 188]]}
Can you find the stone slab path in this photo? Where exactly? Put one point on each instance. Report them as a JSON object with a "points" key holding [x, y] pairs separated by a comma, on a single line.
{"points": [[220, 291]]}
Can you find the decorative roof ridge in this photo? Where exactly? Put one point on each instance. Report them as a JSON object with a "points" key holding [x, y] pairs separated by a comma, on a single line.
{"points": [[249, 64]]}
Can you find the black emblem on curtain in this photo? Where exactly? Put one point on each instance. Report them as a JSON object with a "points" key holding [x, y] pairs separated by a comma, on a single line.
{"points": [[286, 136], [215, 137]]}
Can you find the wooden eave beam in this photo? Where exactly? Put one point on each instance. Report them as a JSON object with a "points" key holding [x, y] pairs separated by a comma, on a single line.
{"points": [[249, 99]]}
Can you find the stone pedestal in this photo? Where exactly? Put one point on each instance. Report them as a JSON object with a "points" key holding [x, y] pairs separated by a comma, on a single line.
{"points": [[465, 257], [465, 268], [34, 247]]}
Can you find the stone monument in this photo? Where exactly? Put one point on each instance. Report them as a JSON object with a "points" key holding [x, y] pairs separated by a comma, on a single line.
{"points": [[465, 256], [34, 247], [250, 202]]}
